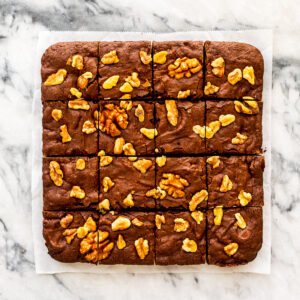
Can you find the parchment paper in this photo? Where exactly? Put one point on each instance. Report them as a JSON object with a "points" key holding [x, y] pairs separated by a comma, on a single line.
{"points": [[44, 264]]}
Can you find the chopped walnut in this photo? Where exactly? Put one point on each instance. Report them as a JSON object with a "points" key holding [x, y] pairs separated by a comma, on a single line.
{"points": [[126, 88], [149, 133], [90, 224], [125, 97], [160, 57], [183, 94], [146, 84], [142, 247], [200, 130], [77, 192], [214, 161], [104, 206], [197, 216], [82, 232], [173, 184], [75, 93], [101, 153], [218, 213], [140, 113], [56, 114], [110, 58], [172, 112], [246, 107], [248, 74], [110, 82], [88, 127], [121, 223], [184, 67], [133, 80], [159, 220], [137, 222], [212, 129], [83, 80], [240, 221], [89, 247], [231, 249], [79, 104], [248, 98], [66, 221], [105, 160], [105, 245], [161, 161], [145, 58], [235, 76], [121, 244], [128, 201], [226, 119], [189, 245], [181, 225], [77, 62], [56, 174], [69, 234], [156, 193], [226, 184], [244, 197], [210, 89], [126, 105], [218, 66], [80, 164], [119, 143], [107, 184], [56, 78], [65, 134], [197, 199], [142, 165], [239, 139], [129, 151]]}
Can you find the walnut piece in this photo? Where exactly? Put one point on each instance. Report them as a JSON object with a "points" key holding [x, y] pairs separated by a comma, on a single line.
{"points": [[212, 129], [239, 139], [231, 249], [105, 246], [121, 223], [149, 133], [110, 58], [172, 112], [89, 247], [77, 192], [145, 58], [65, 134], [80, 164], [240, 221], [77, 62], [129, 151], [119, 143], [140, 113], [126, 105], [181, 225], [56, 114], [133, 80], [247, 107], [107, 184], [121, 244], [88, 127], [244, 197], [126, 97], [142, 165], [210, 89], [235, 76], [197, 199], [66, 221], [56, 78], [146, 84], [159, 220], [105, 160], [184, 67], [173, 184], [248, 74], [83, 80], [160, 57], [75, 93], [218, 213], [126, 88], [56, 174], [226, 184], [197, 216], [156, 193], [214, 161], [137, 222], [142, 247], [110, 82], [161, 161], [183, 94], [69, 234], [226, 119], [189, 245], [104, 206], [128, 201], [79, 104], [200, 130], [218, 66]]}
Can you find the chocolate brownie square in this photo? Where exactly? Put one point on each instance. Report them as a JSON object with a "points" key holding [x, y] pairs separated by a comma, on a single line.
{"points": [[233, 71], [125, 70], [176, 123], [234, 236], [235, 181], [127, 125], [234, 127], [70, 182], [71, 236], [125, 183], [69, 71], [70, 128], [126, 238], [180, 238], [181, 183], [178, 69]]}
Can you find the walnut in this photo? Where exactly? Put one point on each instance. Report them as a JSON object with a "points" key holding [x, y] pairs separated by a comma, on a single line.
{"points": [[82, 232], [66, 221], [248, 98], [231, 249], [110, 82], [189, 245], [142, 247], [172, 112], [107, 184], [240, 221], [197, 199], [183, 94], [126, 105], [149, 133], [128, 201], [142, 165], [121, 223], [184, 67], [145, 58], [105, 160], [83, 80], [69, 234], [65, 134], [159, 219], [181, 225], [226, 184], [160, 57], [218, 66], [197, 216], [121, 244], [218, 213], [101, 153], [79, 104], [207, 131], [140, 113], [248, 74], [226, 119], [214, 161], [133, 80], [173, 184], [244, 197], [161, 161], [104, 206], [112, 117], [235, 76], [146, 84], [56, 174], [129, 151], [80, 164], [88, 127], [89, 247], [137, 222], [56, 114], [77, 192], [77, 62], [200, 130], [239, 139], [105, 246], [156, 193], [90, 224], [56, 78], [75, 93], [119, 143], [210, 89], [246, 107], [110, 58], [126, 97], [126, 88]]}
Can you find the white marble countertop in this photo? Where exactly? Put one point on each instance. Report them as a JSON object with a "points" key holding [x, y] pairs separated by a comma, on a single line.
{"points": [[20, 22]]}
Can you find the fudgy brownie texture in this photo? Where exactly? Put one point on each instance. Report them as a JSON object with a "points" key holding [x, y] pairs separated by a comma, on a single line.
{"points": [[64, 243], [63, 129], [180, 240], [178, 69], [245, 173], [247, 239], [79, 61], [244, 133], [126, 124], [247, 81], [179, 138], [181, 178], [130, 181], [122, 59], [62, 174], [132, 235]]}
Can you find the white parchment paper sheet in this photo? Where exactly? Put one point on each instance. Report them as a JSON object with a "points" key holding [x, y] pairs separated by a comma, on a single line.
{"points": [[262, 39]]}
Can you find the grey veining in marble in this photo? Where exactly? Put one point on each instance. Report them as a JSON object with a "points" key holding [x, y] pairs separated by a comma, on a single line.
{"points": [[20, 22]]}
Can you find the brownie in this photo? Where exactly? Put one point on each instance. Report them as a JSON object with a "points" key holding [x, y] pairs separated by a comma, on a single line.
{"points": [[131, 62], [180, 239], [75, 66], [242, 239], [125, 121], [179, 137], [62, 174], [132, 235], [241, 128], [244, 174], [181, 180], [233, 70], [65, 242], [77, 125], [130, 180]]}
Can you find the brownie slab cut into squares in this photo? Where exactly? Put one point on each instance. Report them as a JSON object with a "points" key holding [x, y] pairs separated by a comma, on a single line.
{"points": [[175, 123], [126, 238], [71, 236], [233, 71], [126, 124], [234, 127], [70, 128], [69, 71], [70, 182], [180, 238], [234, 236], [178, 69], [235, 181], [125, 70]]}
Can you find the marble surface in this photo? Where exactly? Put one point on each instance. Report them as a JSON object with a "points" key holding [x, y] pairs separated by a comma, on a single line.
{"points": [[20, 22]]}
